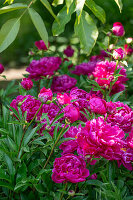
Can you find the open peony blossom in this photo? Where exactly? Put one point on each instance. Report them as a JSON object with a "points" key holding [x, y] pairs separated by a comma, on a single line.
{"points": [[29, 105], [69, 51], [45, 95], [1, 68], [71, 113], [63, 98], [27, 83], [41, 45], [63, 83], [98, 105], [43, 67], [118, 29], [84, 68], [69, 168], [104, 75], [98, 138], [51, 110], [118, 54], [121, 115]]}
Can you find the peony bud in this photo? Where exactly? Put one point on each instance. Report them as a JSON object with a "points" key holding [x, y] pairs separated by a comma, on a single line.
{"points": [[1, 68], [71, 113], [41, 45], [27, 83], [69, 51], [98, 105], [118, 29], [71, 193], [45, 95], [118, 54]]}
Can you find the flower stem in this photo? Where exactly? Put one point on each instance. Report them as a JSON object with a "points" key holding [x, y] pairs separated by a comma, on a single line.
{"points": [[63, 192], [55, 117], [59, 136]]}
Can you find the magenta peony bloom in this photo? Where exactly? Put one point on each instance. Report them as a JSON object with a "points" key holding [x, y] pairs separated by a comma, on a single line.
{"points": [[77, 93], [126, 158], [41, 45], [27, 83], [69, 51], [104, 75], [43, 67], [63, 83], [97, 58], [71, 113], [121, 115], [29, 105], [84, 68], [45, 95], [98, 105], [98, 138], [69, 168], [71, 145], [129, 140], [51, 110], [128, 50], [118, 54], [1, 68], [118, 29], [63, 98]]}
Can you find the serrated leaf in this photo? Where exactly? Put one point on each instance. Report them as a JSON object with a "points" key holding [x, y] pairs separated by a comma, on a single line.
{"points": [[49, 8], [119, 3], [63, 18], [12, 7], [39, 24], [8, 33], [97, 10], [87, 32]]}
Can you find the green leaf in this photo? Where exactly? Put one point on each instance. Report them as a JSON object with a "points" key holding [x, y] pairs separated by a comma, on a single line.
{"points": [[4, 175], [21, 173], [8, 33], [57, 2], [29, 134], [6, 185], [12, 7], [116, 96], [119, 3], [79, 8], [10, 166], [49, 8], [63, 18], [94, 182], [68, 4], [39, 24], [87, 32], [97, 10]]}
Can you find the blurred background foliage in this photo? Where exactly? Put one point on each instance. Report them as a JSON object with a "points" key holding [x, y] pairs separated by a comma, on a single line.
{"points": [[16, 54]]}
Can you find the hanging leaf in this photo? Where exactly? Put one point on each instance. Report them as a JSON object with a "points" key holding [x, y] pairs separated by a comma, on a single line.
{"points": [[87, 32], [39, 24], [63, 18], [57, 2], [8, 33], [12, 7], [119, 3], [79, 8], [68, 4], [48, 6], [97, 10]]}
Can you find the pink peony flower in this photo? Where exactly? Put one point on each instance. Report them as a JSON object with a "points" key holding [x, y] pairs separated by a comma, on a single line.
{"points": [[1, 68], [69, 168], [98, 138], [118, 29], [129, 140], [69, 51], [27, 83], [71, 113], [121, 115], [118, 54], [104, 75], [63, 83], [30, 105], [63, 98], [45, 95], [71, 145], [126, 158], [84, 68], [128, 50], [41, 45], [43, 67], [98, 105]]}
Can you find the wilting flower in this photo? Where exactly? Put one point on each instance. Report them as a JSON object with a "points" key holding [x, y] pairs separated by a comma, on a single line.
{"points": [[84, 68], [69, 51], [63, 98], [29, 105], [120, 114], [27, 83], [1, 68], [69, 168], [98, 138], [118, 29], [43, 67], [63, 83], [98, 105], [41, 45], [45, 95], [118, 54], [71, 113]]}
